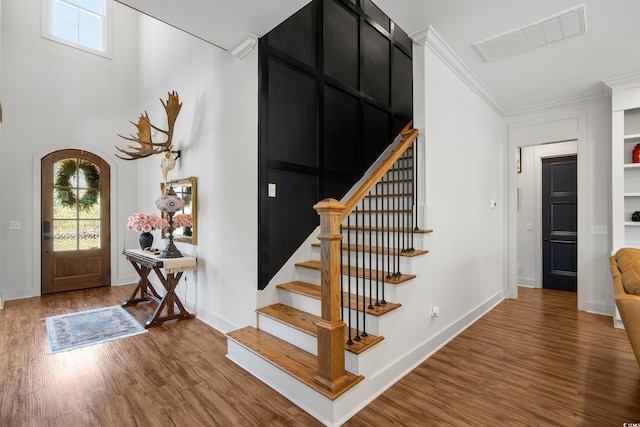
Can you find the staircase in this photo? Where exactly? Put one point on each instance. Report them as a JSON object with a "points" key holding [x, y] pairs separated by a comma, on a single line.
{"points": [[301, 346]]}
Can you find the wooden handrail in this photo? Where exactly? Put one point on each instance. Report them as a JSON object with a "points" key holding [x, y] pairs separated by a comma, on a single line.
{"points": [[331, 329], [409, 136]]}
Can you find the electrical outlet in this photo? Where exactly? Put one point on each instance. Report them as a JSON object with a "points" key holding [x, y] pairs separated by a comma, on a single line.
{"points": [[15, 225], [435, 311], [271, 188]]}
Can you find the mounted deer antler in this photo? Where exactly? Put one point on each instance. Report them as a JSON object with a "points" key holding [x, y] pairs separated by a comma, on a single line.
{"points": [[146, 146]]}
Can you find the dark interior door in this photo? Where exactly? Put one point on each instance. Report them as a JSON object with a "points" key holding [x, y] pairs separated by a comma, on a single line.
{"points": [[559, 223]]}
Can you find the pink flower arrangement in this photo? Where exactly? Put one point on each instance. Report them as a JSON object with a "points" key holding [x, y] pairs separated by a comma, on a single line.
{"points": [[144, 223], [182, 220]]}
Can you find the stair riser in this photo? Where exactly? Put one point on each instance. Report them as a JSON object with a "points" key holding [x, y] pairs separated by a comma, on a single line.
{"points": [[303, 396], [390, 239], [300, 301], [313, 277], [312, 305], [286, 333], [306, 342], [362, 259]]}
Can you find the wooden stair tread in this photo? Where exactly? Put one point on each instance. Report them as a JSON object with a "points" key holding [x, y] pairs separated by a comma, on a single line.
{"points": [[289, 358], [314, 291], [378, 250], [390, 229], [306, 322], [359, 272]]}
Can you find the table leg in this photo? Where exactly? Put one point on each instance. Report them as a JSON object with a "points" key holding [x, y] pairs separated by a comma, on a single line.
{"points": [[168, 302], [143, 287]]}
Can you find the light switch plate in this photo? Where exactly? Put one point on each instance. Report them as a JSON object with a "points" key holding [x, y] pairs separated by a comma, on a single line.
{"points": [[14, 225]]}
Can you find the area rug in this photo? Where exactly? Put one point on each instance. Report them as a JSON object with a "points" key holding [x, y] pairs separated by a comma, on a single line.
{"points": [[70, 331]]}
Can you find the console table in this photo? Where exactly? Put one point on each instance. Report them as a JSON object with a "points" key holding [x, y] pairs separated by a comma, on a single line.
{"points": [[169, 306]]}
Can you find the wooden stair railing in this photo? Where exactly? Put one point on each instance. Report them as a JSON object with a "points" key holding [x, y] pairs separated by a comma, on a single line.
{"points": [[331, 329]]}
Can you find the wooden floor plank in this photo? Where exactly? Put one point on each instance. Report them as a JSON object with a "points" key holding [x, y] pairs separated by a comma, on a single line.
{"points": [[532, 361], [535, 361]]}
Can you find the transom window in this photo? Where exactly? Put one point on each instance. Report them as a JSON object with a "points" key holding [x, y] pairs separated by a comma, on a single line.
{"points": [[84, 24]]}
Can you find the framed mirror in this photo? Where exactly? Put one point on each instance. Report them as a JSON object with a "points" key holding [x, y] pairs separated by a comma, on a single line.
{"points": [[185, 189]]}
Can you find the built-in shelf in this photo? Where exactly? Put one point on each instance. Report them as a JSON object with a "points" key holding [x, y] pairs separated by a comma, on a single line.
{"points": [[632, 138], [632, 165], [631, 194], [632, 224]]}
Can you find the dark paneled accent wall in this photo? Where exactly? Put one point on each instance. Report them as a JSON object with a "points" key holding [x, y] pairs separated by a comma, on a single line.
{"points": [[335, 90]]}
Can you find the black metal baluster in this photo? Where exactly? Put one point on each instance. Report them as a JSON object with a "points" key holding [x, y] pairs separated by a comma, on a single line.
{"points": [[349, 340], [403, 202], [415, 182], [341, 281], [357, 278], [412, 199], [384, 194], [379, 252], [364, 267], [396, 203], [370, 307]]}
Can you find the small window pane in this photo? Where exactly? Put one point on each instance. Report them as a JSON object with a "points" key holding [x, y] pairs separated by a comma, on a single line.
{"points": [[64, 236], [89, 175], [64, 173], [89, 202], [65, 12], [90, 39], [64, 204], [89, 234], [65, 30], [92, 5]]}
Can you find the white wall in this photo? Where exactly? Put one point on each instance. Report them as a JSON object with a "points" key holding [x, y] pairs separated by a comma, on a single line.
{"points": [[462, 144], [589, 123], [55, 97], [529, 212], [217, 133]]}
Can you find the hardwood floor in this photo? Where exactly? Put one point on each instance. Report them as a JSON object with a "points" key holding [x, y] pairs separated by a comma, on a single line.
{"points": [[534, 361]]}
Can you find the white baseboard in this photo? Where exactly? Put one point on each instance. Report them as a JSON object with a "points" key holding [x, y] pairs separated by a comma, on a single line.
{"points": [[527, 283]]}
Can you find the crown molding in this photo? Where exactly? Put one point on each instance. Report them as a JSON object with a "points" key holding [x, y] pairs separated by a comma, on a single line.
{"points": [[622, 80], [431, 39]]}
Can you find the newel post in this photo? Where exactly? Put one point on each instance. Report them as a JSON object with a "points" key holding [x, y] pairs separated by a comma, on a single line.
{"points": [[331, 329]]}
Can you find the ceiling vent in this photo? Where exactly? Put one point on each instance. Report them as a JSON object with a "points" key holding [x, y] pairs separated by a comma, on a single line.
{"points": [[561, 26]]}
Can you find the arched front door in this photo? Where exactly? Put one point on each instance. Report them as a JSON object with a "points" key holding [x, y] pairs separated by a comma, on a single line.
{"points": [[75, 228]]}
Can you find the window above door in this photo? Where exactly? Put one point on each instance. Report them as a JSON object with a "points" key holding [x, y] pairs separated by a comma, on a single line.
{"points": [[83, 24]]}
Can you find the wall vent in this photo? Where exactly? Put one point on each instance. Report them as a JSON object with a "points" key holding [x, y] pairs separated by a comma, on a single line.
{"points": [[552, 29]]}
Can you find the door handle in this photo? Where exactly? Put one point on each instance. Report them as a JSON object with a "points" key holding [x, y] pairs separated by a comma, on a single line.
{"points": [[46, 227], [546, 239]]}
